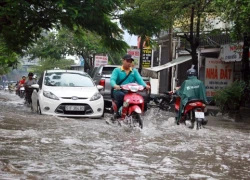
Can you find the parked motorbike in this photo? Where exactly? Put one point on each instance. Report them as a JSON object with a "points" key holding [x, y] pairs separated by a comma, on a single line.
{"points": [[161, 101], [193, 111], [11, 88], [134, 103]]}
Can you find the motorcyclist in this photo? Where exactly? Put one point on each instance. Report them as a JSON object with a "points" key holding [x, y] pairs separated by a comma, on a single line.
{"points": [[192, 88], [27, 85], [20, 84], [120, 74]]}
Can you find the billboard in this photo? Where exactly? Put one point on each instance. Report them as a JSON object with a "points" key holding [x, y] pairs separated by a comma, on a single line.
{"points": [[100, 60], [135, 53], [232, 52], [218, 74]]}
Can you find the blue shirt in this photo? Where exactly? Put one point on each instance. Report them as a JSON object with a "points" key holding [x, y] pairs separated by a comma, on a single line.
{"points": [[119, 74]]}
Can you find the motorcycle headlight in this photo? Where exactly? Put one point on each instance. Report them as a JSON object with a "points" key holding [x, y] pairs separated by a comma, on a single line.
{"points": [[134, 88], [50, 95], [96, 96]]}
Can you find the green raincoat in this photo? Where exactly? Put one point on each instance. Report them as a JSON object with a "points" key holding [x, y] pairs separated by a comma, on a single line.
{"points": [[192, 88]]}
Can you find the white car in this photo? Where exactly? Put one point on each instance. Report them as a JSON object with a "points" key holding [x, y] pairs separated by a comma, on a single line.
{"points": [[73, 94]]}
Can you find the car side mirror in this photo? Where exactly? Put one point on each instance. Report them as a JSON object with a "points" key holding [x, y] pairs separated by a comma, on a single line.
{"points": [[99, 87]]}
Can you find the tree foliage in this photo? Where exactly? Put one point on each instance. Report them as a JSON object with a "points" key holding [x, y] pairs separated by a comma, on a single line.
{"points": [[8, 58], [56, 45], [148, 17], [22, 21], [238, 12], [49, 63], [140, 20]]}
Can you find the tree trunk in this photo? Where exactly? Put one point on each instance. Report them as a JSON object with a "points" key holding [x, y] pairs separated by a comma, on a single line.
{"points": [[141, 52], [86, 64]]}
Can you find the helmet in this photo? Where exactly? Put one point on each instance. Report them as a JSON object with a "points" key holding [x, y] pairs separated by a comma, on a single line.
{"points": [[191, 72], [35, 76], [30, 74]]}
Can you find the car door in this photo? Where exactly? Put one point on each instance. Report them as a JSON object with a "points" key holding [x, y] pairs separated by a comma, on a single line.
{"points": [[40, 83]]}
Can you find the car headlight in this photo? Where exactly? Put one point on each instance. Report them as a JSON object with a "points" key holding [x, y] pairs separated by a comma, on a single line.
{"points": [[50, 95], [96, 96]]}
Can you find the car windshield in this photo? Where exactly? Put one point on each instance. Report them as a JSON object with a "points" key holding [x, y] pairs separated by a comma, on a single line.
{"points": [[107, 70], [67, 79]]}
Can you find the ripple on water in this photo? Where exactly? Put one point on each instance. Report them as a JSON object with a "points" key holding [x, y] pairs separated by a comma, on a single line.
{"points": [[79, 148]]}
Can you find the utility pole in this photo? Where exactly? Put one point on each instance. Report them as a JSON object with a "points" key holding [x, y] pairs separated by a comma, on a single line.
{"points": [[170, 54]]}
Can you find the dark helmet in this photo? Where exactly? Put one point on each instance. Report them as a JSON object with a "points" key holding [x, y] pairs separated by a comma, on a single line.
{"points": [[191, 72], [30, 74]]}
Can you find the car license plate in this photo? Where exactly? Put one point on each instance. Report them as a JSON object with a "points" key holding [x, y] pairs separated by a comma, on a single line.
{"points": [[74, 108], [199, 115]]}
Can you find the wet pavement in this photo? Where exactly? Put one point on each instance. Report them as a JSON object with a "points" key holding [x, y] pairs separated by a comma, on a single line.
{"points": [[45, 147]]}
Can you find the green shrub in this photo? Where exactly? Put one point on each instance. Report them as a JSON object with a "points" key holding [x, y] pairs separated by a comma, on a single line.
{"points": [[231, 97]]}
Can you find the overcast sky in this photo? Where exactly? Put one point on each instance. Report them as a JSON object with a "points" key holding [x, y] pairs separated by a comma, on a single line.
{"points": [[130, 39]]}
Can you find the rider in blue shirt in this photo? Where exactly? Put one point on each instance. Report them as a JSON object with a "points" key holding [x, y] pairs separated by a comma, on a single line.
{"points": [[119, 74]]}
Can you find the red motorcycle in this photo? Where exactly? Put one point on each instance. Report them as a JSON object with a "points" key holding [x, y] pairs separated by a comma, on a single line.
{"points": [[133, 105], [193, 111]]}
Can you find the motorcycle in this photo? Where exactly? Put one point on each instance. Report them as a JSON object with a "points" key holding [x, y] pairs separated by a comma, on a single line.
{"points": [[134, 104], [194, 111], [22, 92]]}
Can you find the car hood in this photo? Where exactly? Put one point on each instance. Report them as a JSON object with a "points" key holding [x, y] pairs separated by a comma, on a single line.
{"points": [[83, 92]]}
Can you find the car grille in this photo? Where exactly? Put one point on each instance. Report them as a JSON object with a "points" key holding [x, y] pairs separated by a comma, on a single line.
{"points": [[61, 109], [71, 98]]}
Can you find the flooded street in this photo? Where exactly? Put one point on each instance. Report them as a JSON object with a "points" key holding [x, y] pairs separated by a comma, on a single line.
{"points": [[44, 147]]}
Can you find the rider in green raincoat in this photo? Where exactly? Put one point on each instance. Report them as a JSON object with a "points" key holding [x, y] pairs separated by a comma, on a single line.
{"points": [[192, 88]]}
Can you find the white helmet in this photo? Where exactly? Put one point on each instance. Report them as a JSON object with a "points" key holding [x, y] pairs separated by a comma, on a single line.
{"points": [[35, 76]]}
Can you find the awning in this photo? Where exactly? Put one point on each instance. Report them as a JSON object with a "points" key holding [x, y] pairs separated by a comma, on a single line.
{"points": [[174, 62]]}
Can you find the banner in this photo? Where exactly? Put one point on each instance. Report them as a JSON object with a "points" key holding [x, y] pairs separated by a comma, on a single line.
{"points": [[231, 52], [101, 60], [218, 74], [135, 53], [146, 57]]}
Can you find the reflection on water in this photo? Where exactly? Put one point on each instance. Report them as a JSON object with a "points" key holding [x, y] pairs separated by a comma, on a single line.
{"points": [[47, 147]]}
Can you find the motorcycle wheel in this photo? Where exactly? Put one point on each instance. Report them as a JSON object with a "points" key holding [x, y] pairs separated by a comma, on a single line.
{"points": [[21, 94], [195, 122], [139, 120]]}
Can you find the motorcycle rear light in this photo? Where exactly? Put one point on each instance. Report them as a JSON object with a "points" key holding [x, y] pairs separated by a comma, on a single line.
{"points": [[192, 104], [102, 83]]}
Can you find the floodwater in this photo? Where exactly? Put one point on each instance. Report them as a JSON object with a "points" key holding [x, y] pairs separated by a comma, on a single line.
{"points": [[45, 147]]}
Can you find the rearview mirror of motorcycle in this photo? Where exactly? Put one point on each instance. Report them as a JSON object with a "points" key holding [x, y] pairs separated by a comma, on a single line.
{"points": [[176, 88], [35, 86]]}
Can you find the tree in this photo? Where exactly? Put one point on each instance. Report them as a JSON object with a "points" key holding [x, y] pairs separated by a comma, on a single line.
{"points": [[139, 21], [51, 64], [22, 21], [238, 12], [56, 45], [186, 15], [8, 58]]}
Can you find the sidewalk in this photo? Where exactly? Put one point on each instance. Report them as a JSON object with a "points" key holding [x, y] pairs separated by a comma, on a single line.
{"points": [[243, 116]]}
